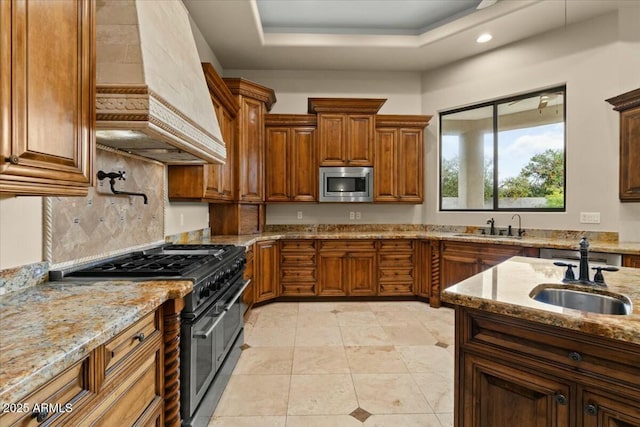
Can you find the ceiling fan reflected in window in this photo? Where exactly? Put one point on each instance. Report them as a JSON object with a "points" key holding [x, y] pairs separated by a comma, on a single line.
{"points": [[486, 3], [543, 101]]}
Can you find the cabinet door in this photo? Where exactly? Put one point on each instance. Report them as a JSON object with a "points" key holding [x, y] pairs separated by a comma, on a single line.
{"points": [[606, 410], [455, 267], [302, 161], [333, 139], [361, 273], [497, 394], [631, 261], [409, 161], [630, 155], [47, 96], [385, 165], [360, 136], [266, 262], [331, 274], [278, 175], [250, 150]]}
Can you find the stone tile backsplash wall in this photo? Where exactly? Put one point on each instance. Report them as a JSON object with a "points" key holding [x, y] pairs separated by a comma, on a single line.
{"points": [[79, 229]]}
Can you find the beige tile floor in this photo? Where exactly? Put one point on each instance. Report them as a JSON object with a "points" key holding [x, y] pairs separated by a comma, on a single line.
{"points": [[314, 364]]}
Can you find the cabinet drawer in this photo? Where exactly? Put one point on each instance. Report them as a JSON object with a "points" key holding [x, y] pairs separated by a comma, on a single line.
{"points": [[127, 342], [396, 245], [67, 388], [297, 274], [566, 349], [129, 401], [347, 245], [396, 258], [297, 259], [299, 289], [396, 274], [298, 245], [396, 288]]}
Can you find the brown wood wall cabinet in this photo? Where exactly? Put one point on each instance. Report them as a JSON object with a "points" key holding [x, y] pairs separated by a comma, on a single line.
{"points": [[121, 382], [346, 130], [291, 172], [628, 104], [399, 159], [210, 182], [512, 371], [47, 115]]}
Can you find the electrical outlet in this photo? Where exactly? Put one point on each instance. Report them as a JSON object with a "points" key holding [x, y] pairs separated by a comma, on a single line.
{"points": [[358, 215], [590, 217], [352, 215], [299, 215]]}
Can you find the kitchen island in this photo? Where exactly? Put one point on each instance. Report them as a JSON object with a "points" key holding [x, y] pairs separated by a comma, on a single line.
{"points": [[87, 344], [527, 363]]}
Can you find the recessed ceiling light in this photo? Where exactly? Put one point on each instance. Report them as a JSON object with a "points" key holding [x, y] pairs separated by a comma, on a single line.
{"points": [[483, 38]]}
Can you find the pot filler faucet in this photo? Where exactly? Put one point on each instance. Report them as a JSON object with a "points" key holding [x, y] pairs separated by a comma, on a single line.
{"points": [[583, 278], [112, 182]]}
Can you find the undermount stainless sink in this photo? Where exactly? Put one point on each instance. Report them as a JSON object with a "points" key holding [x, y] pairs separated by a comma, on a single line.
{"points": [[583, 301]]}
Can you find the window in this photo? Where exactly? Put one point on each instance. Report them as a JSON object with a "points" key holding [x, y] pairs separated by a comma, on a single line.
{"points": [[507, 154]]}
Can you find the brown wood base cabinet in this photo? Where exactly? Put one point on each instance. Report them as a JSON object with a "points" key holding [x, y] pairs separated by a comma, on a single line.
{"points": [[248, 296], [513, 372], [397, 267], [298, 267], [121, 382], [347, 268], [266, 267]]}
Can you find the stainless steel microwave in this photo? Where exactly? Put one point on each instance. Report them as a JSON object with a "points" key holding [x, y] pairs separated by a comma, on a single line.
{"points": [[346, 184]]}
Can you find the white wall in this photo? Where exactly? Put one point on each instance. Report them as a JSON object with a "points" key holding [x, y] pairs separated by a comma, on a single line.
{"points": [[20, 231], [402, 91], [595, 65], [180, 217]]}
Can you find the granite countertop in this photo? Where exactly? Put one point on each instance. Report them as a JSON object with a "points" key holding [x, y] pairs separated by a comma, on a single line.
{"points": [[568, 242], [47, 328], [505, 289]]}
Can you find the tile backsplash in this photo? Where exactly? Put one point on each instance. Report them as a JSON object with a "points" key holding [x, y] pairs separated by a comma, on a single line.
{"points": [[79, 229]]}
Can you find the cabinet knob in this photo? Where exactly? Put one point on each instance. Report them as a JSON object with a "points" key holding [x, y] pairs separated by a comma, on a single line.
{"points": [[139, 336], [575, 356], [13, 159], [591, 409], [40, 416], [561, 399]]}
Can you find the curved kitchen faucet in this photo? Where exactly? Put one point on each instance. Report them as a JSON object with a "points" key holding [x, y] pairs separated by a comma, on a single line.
{"points": [[112, 182]]}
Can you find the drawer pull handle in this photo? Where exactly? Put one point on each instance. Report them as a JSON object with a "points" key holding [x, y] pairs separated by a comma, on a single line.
{"points": [[139, 336], [575, 356], [561, 399], [591, 409], [40, 416]]}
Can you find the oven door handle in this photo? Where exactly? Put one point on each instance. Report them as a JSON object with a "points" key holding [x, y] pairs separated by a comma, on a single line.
{"points": [[205, 334], [237, 295]]}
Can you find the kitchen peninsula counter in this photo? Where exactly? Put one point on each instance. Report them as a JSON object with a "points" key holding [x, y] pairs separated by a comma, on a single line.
{"points": [[505, 289], [47, 328]]}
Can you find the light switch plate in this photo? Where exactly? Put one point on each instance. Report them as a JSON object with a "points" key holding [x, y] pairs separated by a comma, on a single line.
{"points": [[299, 215], [352, 215], [590, 217]]}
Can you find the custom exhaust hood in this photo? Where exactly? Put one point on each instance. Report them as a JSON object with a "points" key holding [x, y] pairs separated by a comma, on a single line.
{"points": [[151, 96]]}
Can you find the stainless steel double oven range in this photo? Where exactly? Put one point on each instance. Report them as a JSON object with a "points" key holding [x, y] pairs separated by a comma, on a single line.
{"points": [[211, 322]]}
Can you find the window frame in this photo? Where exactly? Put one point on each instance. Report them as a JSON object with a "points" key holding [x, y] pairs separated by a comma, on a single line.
{"points": [[494, 104]]}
